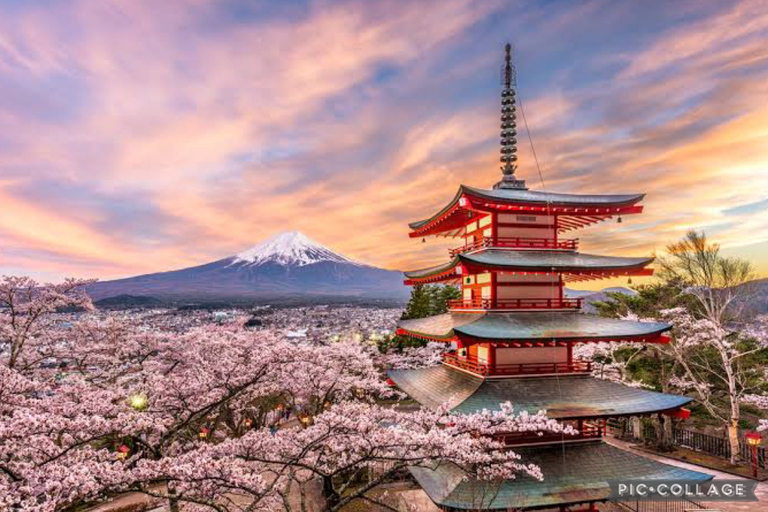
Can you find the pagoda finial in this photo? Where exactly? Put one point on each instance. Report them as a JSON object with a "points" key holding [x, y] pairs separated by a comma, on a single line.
{"points": [[509, 126]]}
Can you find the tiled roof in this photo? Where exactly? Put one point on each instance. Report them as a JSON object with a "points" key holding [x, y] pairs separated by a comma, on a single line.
{"points": [[565, 397], [557, 261], [573, 473], [562, 326], [551, 260], [533, 197]]}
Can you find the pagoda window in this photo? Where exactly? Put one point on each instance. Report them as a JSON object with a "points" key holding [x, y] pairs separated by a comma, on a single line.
{"points": [[483, 354]]}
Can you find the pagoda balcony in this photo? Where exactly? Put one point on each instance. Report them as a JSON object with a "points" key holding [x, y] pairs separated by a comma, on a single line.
{"points": [[585, 431], [472, 365], [570, 244], [514, 304]]}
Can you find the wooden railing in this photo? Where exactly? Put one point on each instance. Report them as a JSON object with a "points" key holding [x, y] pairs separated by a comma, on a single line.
{"points": [[585, 431], [471, 364], [569, 244], [515, 303]]}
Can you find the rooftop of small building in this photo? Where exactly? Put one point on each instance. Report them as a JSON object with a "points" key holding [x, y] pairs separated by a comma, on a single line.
{"points": [[531, 326], [573, 473], [563, 397]]}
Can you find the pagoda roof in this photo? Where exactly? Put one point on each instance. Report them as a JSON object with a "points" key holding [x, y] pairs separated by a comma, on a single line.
{"points": [[573, 473], [531, 326], [566, 203], [532, 261], [564, 397]]}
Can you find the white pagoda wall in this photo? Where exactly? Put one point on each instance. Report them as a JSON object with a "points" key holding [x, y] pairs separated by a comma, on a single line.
{"points": [[550, 290], [546, 230], [531, 355]]}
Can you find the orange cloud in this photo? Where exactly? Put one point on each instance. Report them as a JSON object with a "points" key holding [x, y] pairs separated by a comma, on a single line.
{"points": [[236, 130]]}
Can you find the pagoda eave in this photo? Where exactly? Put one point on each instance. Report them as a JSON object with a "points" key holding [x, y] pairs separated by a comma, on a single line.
{"points": [[574, 474], [467, 340], [526, 329], [653, 339], [427, 337], [567, 263], [570, 211]]}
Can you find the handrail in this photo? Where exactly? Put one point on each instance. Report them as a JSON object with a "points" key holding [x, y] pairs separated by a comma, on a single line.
{"points": [[485, 303], [569, 244], [473, 365], [586, 431]]}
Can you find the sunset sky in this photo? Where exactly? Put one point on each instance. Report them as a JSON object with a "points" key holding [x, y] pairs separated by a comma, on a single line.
{"points": [[139, 136]]}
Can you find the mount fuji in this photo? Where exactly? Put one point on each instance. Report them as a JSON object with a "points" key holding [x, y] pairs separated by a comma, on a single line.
{"points": [[288, 266]]}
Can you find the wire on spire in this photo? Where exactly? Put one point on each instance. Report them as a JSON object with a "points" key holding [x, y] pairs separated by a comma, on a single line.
{"points": [[509, 126]]}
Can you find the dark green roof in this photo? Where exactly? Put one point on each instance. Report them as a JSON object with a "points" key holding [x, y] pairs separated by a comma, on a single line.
{"points": [[533, 197], [558, 261], [562, 326], [565, 397], [433, 270], [573, 473], [546, 260]]}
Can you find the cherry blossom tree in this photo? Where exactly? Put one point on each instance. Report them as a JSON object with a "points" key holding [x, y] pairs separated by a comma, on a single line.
{"points": [[414, 357], [195, 418], [711, 354], [25, 305]]}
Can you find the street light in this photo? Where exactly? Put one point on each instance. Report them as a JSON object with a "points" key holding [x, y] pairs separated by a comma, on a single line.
{"points": [[138, 401], [754, 439]]}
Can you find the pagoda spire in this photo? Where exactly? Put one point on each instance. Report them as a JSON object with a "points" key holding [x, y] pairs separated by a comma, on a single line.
{"points": [[509, 127]]}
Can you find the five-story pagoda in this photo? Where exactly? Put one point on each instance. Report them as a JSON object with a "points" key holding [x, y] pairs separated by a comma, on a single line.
{"points": [[512, 334]]}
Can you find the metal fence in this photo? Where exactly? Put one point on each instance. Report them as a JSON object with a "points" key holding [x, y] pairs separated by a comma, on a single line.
{"points": [[717, 446], [662, 506]]}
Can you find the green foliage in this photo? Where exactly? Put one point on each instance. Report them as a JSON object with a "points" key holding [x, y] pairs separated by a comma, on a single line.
{"points": [[428, 300], [649, 301], [397, 343]]}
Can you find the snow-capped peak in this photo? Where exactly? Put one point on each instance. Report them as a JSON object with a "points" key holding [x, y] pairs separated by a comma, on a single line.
{"points": [[289, 248]]}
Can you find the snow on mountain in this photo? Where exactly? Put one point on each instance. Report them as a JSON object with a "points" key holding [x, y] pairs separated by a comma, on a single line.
{"points": [[286, 266], [290, 248]]}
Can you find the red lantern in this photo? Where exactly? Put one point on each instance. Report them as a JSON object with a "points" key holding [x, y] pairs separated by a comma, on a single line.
{"points": [[123, 451], [203, 433], [681, 413], [754, 439]]}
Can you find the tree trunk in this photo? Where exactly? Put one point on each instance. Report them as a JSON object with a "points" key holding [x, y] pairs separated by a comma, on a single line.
{"points": [[733, 440], [173, 501], [329, 493], [664, 435]]}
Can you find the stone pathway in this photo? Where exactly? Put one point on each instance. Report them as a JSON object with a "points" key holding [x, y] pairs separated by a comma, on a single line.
{"points": [[761, 491]]}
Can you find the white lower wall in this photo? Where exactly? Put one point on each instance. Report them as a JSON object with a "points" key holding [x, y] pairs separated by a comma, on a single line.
{"points": [[531, 355]]}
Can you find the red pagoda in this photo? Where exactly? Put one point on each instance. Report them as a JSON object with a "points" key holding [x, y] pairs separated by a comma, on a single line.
{"points": [[512, 332]]}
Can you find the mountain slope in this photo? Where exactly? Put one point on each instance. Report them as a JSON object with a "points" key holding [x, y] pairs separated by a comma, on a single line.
{"points": [[288, 265]]}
